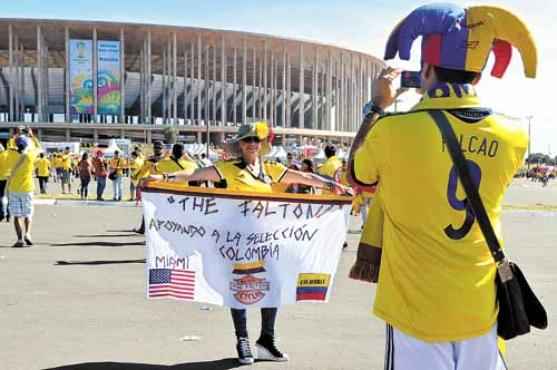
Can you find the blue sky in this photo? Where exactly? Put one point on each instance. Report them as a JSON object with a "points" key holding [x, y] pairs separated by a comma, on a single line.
{"points": [[360, 25]]}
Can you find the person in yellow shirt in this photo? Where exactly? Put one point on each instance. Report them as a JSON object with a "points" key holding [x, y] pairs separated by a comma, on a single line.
{"points": [[248, 172], [177, 161], [136, 162], [436, 287], [115, 174], [148, 168], [65, 163], [43, 172], [20, 188], [4, 173], [331, 165]]}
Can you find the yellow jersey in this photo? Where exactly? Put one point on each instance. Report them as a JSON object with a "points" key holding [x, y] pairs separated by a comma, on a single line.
{"points": [[43, 167], [147, 168], [116, 165], [57, 161], [169, 165], [239, 177], [437, 280], [21, 178], [330, 167], [4, 169], [136, 164], [372, 233], [66, 162]]}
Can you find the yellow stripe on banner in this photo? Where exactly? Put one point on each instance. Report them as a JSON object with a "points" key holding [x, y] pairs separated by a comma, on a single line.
{"points": [[313, 280], [159, 186], [248, 265]]}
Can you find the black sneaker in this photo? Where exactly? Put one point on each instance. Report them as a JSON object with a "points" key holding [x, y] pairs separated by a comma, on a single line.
{"points": [[267, 350], [245, 357]]}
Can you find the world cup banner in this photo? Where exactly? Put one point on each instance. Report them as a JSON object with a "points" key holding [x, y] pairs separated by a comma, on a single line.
{"points": [[108, 77], [241, 250], [81, 76]]}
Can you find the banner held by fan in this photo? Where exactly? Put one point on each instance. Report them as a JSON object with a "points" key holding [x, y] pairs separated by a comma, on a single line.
{"points": [[241, 250]]}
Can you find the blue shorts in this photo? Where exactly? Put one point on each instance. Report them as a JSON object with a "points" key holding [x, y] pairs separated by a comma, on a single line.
{"points": [[20, 204], [66, 176]]}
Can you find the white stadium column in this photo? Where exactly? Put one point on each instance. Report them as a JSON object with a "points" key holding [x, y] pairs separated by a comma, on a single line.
{"points": [[122, 76], [95, 75], [301, 105], [39, 76], [223, 84], [68, 116]]}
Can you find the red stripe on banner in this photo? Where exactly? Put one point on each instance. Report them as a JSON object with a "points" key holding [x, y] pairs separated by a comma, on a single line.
{"points": [[171, 291], [183, 272], [174, 284], [311, 296], [189, 280], [163, 293]]}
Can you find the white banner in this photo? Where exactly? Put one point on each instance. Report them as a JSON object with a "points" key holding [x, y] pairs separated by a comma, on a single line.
{"points": [[214, 247]]}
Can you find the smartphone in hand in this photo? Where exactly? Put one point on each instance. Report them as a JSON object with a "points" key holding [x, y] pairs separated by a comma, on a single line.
{"points": [[410, 79]]}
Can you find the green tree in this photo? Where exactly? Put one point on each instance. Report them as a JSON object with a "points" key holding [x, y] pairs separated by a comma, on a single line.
{"points": [[170, 134]]}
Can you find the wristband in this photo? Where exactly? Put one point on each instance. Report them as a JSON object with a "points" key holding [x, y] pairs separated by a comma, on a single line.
{"points": [[371, 108]]}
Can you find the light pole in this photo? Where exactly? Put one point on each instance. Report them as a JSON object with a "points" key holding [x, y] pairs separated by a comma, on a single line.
{"points": [[529, 118]]}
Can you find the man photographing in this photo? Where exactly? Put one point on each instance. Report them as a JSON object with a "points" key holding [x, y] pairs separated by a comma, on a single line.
{"points": [[21, 186], [436, 287]]}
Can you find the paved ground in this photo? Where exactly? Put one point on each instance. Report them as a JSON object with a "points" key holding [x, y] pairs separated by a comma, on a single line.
{"points": [[90, 313]]}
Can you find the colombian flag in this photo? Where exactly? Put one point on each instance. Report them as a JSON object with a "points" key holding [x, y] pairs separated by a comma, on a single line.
{"points": [[312, 287]]}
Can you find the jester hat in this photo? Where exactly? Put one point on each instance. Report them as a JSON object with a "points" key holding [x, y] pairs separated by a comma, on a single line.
{"points": [[462, 38]]}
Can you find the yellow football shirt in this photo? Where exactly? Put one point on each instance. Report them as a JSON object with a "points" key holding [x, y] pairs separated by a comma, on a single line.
{"points": [[169, 165], [21, 178], [66, 162], [372, 233], [4, 168], [239, 178], [330, 167], [437, 280], [117, 164], [43, 167]]}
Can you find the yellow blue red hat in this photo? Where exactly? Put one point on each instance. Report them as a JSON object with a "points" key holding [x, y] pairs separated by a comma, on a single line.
{"points": [[462, 38]]}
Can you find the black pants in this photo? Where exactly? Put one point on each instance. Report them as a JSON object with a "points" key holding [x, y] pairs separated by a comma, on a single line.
{"points": [[3, 207], [84, 190], [268, 318], [43, 180]]}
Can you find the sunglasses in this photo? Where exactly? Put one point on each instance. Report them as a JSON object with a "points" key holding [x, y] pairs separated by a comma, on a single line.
{"points": [[251, 140]]}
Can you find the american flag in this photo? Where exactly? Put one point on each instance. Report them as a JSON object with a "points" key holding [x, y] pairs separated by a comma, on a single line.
{"points": [[171, 283]]}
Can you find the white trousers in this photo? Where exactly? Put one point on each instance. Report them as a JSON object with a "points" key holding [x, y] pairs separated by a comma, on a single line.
{"points": [[403, 352]]}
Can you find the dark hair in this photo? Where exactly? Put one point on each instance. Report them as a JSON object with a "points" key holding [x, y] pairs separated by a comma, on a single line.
{"points": [[84, 156], [203, 155], [41, 155], [330, 151], [308, 162], [178, 151], [454, 75]]}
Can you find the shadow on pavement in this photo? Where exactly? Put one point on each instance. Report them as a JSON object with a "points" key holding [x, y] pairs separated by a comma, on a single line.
{"points": [[123, 231], [97, 244], [224, 364], [105, 235], [100, 262]]}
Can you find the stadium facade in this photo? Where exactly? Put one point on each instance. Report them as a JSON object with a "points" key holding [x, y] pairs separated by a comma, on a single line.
{"points": [[90, 81]]}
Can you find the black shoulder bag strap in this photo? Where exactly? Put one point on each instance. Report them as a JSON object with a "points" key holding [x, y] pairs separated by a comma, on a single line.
{"points": [[472, 194], [178, 163]]}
